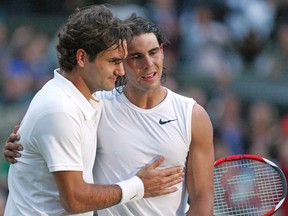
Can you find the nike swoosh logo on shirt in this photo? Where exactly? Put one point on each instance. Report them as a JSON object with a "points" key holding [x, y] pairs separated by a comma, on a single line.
{"points": [[161, 122]]}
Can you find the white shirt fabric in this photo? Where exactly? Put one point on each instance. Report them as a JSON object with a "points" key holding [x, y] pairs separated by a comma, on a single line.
{"points": [[130, 137], [58, 134]]}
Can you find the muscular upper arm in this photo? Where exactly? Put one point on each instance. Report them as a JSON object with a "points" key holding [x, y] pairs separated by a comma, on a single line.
{"points": [[200, 162]]}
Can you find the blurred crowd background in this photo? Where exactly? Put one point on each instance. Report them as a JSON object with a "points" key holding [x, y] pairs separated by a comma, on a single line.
{"points": [[230, 55]]}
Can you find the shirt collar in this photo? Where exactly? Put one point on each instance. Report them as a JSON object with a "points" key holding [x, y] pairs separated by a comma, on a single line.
{"points": [[76, 96]]}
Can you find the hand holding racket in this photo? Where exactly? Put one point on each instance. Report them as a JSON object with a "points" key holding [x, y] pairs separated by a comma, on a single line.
{"points": [[248, 185]]}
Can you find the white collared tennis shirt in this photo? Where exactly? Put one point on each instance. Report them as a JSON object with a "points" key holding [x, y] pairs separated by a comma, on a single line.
{"points": [[58, 133]]}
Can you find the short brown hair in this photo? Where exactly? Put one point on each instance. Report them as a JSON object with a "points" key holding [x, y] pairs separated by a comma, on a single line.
{"points": [[92, 28]]}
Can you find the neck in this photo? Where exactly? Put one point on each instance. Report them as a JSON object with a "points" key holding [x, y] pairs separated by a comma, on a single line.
{"points": [[75, 78], [145, 100]]}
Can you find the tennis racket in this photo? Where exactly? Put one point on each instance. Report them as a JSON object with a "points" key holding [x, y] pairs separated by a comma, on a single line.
{"points": [[248, 185]]}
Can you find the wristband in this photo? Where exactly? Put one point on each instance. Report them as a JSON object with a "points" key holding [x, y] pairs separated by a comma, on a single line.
{"points": [[132, 189]]}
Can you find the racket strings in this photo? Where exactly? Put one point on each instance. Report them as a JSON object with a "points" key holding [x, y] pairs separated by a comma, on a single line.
{"points": [[246, 187]]}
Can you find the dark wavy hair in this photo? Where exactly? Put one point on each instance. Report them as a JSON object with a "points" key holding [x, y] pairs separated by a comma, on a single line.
{"points": [[140, 25], [93, 29]]}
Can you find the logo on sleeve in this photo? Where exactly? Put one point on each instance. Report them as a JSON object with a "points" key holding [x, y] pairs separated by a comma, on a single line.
{"points": [[162, 122]]}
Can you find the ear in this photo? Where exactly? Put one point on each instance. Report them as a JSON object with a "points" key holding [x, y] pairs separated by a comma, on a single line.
{"points": [[81, 57]]}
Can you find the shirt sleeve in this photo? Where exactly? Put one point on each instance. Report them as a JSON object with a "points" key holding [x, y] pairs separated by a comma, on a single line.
{"points": [[57, 137]]}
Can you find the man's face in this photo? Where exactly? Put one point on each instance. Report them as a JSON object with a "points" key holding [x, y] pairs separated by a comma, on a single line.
{"points": [[144, 63], [102, 73]]}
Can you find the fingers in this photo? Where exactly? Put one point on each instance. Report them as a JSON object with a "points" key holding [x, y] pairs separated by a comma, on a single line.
{"points": [[11, 149], [13, 137], [16, 128], [162, 181], [155, 164], [171, 171], [10, 156], [11, 146], [170, 181], [159, 182], [160, 192], [11, 152]]}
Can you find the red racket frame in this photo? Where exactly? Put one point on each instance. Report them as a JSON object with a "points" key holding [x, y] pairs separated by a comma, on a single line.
{"points": [[264, 160]]}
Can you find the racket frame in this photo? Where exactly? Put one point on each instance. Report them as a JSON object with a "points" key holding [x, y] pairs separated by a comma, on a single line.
{"points": [[264, 160]]}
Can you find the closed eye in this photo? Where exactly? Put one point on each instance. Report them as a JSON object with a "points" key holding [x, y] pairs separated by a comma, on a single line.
{"points": [[154, 51], [116, 61], [136, 56]]}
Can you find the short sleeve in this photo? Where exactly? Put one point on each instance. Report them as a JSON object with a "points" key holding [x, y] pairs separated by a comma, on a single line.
{"points": [[57, 137]]}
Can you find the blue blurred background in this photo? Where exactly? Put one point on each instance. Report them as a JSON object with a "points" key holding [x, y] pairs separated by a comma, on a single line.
{"points": [[230, 55]]}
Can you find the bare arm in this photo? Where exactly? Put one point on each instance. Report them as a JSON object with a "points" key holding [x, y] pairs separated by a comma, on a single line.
{"points": [[156, 182], [77, 196], [200, 165]]}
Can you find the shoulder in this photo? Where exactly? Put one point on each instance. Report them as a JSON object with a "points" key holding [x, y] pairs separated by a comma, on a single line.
{"points": [[179, 97], [52, 108], [182, 104], [202, 125], [199, 113]]}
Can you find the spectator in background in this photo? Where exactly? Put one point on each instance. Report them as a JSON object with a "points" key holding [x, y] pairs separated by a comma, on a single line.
{"points": [[4, 56], [231, 125], [36, 59], [272, 61], [250, 23], [17, 87], [3, 42], [262, 133], [205, 47], [27, 69], [250, 15]]}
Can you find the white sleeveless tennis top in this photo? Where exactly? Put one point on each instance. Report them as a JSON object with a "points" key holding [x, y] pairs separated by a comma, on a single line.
{"points": [[130, 138]]}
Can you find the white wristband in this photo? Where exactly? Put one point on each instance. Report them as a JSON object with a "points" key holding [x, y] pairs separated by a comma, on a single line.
{"points": [[132, 189]]}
